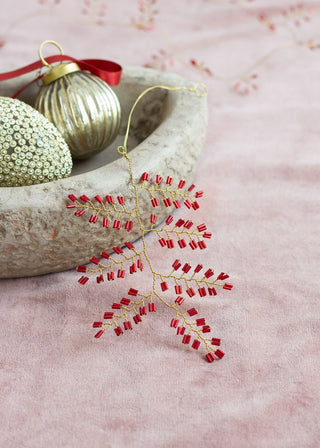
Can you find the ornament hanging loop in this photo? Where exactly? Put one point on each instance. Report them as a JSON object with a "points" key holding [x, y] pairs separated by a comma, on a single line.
{"points": [[44, 62]]}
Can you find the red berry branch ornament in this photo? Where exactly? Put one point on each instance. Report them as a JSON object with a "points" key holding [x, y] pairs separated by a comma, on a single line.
{"points": [[182, 281]]}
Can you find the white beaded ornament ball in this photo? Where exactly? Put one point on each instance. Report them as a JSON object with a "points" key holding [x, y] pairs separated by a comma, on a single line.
{"points": [[32, 150]]}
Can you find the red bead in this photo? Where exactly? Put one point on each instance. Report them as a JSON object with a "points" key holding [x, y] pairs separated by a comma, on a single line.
{"points": [[219, 353], [176, 265], [95, 260], [117, 250], [191, 187], [198, 268], [109, 199], [195, 205], [143, 310], [187, 203], [174, 323], [199, 194], [181, 330], [179, 223], [162, 242], [129, 245], [212, 292], [125, 301], [169, 220], [84, 198], [72, 197], [169, 180], [158, 179], [200, 322], [179, 300], [202, 245], [116, 306], [128, 226], [209, 357], [120, 200], [152, 307], [105, 255], [97, 324], [196, 344], [153, 219], [192, 312], [164, 286], [186, 339], [70, 205], [91, 219], [81, 268], [154, 202], [208, 273], [202, 292], [145, 176], [188, 224], [222, 276], [176, 204], [215, 341], [139, 264], [105, 223], [108, 315], [121, 273], [117, 224], [79, 212], [190, 292], [181, 183], [137, 319], [132, 292], [118, 331], [186, 268], [170, 244], [83, 280], [127, 325], [97, 335], [98, 198], [182, 243], [100, 279], [178, 289], [207, 235], [227, 286], [202, 227], [133, 268], [193, 244], [206, 329], [110, 276]]}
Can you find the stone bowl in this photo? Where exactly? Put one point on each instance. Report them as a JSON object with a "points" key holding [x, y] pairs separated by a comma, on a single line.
{"points": [[38, 235]]}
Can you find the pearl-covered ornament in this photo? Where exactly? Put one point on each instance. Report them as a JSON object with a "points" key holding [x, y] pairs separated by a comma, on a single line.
{"points": [[32, 150]]}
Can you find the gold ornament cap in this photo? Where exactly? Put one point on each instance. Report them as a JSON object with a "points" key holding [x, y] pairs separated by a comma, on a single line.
{"points": [[58, 71]]}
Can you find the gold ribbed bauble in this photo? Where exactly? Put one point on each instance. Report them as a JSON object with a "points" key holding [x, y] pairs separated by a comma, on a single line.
{"points": [[82, 106], [32, 150]]}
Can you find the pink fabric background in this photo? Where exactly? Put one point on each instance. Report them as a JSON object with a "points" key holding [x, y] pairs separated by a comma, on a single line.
{"points": [[59, 387]]}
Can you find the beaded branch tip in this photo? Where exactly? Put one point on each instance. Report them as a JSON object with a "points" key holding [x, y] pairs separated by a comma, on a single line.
{"points": [[174, 288]]}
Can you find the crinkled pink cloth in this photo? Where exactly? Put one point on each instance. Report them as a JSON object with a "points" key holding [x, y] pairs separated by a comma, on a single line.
{"points": [[60, 387]]}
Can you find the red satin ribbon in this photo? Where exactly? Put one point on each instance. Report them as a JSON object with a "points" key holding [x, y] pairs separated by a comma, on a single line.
{"points": [[108, 71]]}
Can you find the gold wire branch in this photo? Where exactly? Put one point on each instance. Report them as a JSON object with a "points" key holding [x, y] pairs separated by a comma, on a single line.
{"points": [[135, 304]]}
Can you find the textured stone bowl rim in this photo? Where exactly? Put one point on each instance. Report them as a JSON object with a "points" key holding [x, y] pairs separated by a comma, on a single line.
{"points": [[29, 195]]}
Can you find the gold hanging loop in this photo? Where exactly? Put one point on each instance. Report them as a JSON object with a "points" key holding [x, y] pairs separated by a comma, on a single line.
{"points": [[44, 62]]}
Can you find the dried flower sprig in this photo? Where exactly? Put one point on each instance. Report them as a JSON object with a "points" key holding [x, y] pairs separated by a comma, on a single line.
{"points": [[148, 11], [174, 288]]}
